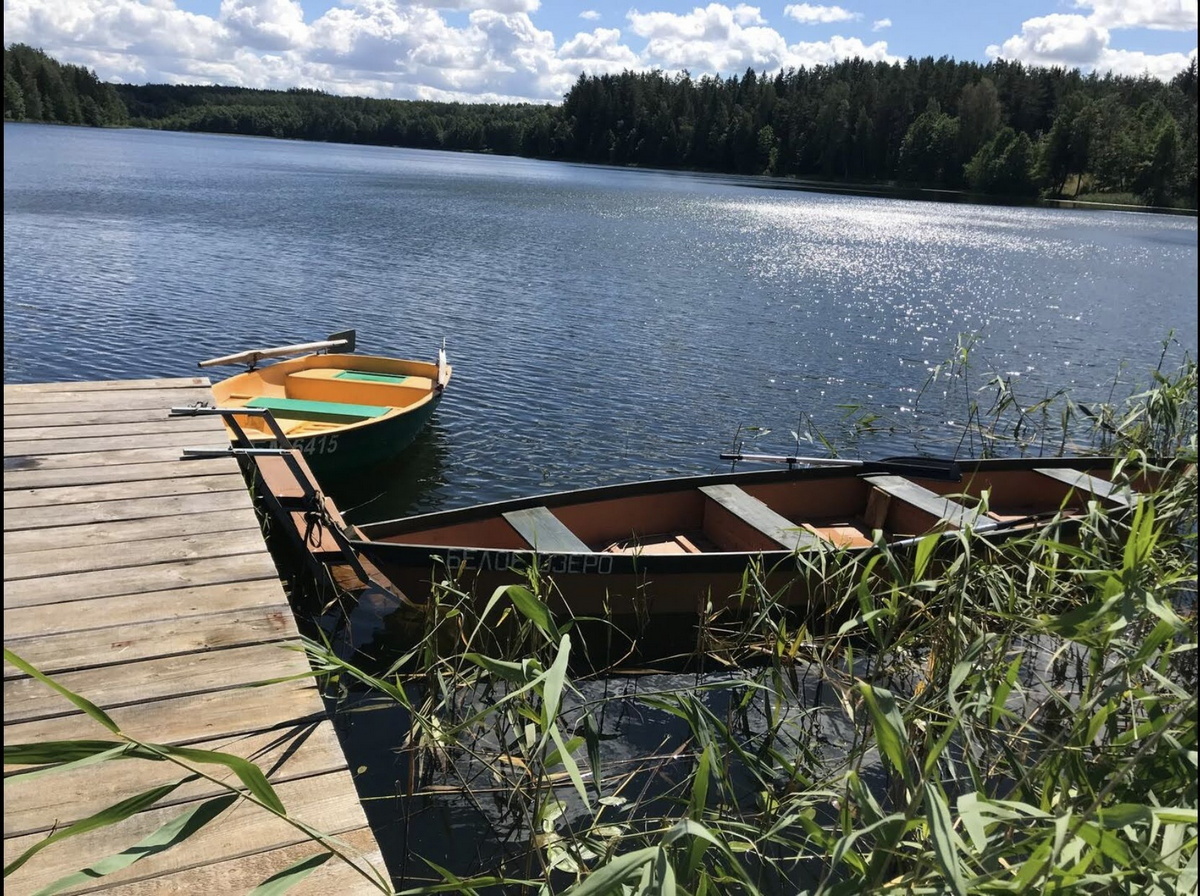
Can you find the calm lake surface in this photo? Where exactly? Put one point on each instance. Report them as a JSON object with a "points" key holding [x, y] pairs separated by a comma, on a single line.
{"points": [[604, 324]]}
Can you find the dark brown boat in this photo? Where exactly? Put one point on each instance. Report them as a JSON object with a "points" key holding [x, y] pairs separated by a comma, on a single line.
{"points": [[670, 545]]}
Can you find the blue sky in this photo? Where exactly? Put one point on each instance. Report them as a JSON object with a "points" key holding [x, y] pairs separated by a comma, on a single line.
{"points": [[531, 51]]}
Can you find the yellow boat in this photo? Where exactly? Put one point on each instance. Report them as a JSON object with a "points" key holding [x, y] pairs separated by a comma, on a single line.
{"points": [[343, 410]]}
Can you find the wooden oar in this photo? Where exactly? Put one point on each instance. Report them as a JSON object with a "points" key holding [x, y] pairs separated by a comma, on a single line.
{"points": [[921, 467], [342, 342]]}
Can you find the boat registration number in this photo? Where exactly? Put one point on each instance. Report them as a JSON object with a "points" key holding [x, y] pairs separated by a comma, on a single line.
{"points": [[320, 445], [316, 445]]}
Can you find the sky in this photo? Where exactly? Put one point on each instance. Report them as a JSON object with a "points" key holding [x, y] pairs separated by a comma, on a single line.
{"points": [[499, 51]]}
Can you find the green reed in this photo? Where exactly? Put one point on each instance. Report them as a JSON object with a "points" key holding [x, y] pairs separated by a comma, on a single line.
{"points": [[962, 716]]}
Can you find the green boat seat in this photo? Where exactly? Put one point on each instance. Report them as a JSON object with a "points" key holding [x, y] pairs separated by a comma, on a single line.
{"points": [[368, 377], [324, 411]]}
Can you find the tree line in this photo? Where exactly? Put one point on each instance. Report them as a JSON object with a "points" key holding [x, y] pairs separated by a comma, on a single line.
{"points": [[1002, 129], [38, 88]]}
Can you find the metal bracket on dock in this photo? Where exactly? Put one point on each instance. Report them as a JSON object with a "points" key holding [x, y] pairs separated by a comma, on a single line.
{"points": [[234, 451], [243, 443], [311, 500]]}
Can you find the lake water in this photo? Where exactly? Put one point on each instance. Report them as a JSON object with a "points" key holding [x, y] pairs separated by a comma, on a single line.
{"points": [[604, 324]]}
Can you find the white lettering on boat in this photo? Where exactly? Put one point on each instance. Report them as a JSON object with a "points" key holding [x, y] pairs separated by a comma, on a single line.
{"points": [[499, 561], [326, 444]]}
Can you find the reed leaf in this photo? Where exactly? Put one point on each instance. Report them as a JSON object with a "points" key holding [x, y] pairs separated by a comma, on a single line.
{"points": [[82, 703], [62, 755], [533, 609], [890, 731], [248, 773], [170, 834], [109, 816], [945, 842], [284, 880], [610, 878]]}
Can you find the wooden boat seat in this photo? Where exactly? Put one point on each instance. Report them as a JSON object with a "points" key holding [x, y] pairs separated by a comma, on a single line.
{"points": [[949, 512], [324, 411], [1086, 482], [388, 390], [367, 376], [750, 509], [544, 532]]}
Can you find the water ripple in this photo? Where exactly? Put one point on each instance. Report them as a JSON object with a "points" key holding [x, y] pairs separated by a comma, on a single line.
{"points": [[604, 324]]}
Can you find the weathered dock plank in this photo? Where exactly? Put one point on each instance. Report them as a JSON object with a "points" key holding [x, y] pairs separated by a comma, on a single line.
{"points": [[133, 509], [91, 474], [22, 461], [96, 534], [141, 581], [166, 386], [122, 491], [100, 613], [62, 428], [186, 720], [36, 564], [162, 638], [103, 443], [23, 417]]}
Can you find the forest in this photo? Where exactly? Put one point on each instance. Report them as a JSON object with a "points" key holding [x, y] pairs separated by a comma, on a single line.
{"points": [[1001, 129]]}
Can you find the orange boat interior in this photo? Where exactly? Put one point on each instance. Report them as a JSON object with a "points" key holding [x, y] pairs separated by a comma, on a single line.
{"points": [[325, 393], [846, 511]]}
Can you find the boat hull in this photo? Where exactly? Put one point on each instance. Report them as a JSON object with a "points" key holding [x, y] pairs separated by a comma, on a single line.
{"points": [[591, 584], [348, 451]]}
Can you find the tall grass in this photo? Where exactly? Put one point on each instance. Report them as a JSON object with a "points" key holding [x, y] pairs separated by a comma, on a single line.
{"points": [[968, 717]]}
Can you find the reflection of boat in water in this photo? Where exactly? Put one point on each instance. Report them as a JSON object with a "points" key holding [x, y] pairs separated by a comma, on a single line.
{"points": [[342, 410], [667, 545]]}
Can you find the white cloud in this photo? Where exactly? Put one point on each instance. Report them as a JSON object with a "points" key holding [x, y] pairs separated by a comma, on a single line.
{"points": [[1055, 40], [600, 51], [713, 22], [1163, 66], [819, 15], [1160, 15], [427, 49], [265, 24], [836, 49], [710, 40], [1074, 41]]}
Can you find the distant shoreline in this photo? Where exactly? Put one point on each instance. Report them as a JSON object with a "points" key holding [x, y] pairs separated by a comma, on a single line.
{"points": [[759, 181]]}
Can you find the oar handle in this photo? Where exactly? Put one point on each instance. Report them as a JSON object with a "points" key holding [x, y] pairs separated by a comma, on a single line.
{"points": [[255, 355], [921, 467], [792, 459]]}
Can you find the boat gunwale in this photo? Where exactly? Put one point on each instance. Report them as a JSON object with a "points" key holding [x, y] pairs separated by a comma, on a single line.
{"points": [[381, 530]]}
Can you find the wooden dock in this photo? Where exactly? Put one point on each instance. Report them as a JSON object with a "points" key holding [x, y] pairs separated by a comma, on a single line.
{"points": [[142, 582]]}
